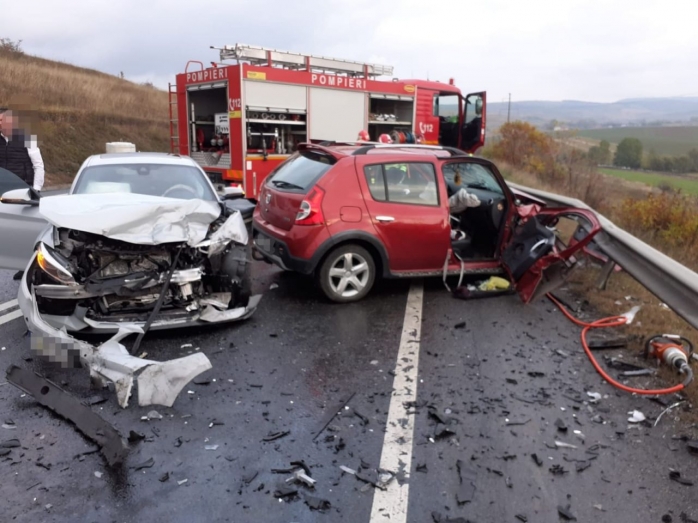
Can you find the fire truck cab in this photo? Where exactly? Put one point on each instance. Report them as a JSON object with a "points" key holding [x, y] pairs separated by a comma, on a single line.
{"points": [[240, 120]]}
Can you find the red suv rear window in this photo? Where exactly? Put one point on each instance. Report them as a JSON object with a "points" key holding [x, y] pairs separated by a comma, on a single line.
{"points": [[301, 171]]}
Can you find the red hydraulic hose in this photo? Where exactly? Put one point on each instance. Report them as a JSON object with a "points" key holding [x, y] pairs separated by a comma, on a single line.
{"points": [[613, 321]]}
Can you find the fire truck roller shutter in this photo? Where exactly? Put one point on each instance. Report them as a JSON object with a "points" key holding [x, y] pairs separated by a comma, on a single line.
{"points": [[275, 96], [336, 114]]}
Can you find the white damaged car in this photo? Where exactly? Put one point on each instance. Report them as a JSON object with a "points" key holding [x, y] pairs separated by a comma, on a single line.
{"points": [[129, 221], [142, 241]]}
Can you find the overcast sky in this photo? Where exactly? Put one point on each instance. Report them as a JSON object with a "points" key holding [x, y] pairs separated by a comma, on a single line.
{"points": [[601, 50]]}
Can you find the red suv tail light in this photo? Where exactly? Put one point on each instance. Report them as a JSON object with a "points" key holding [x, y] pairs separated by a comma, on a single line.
{"points": [[310, 211]]}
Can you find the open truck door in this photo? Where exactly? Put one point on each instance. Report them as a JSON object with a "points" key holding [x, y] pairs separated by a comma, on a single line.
{"points": [[537, 260], [472, 133]]}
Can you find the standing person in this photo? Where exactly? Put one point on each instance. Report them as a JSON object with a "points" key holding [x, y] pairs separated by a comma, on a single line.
{"points": [[19, 153]]}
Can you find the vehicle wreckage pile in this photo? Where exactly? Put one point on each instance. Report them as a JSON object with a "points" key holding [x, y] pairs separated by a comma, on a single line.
{"points": [[127, 263]]}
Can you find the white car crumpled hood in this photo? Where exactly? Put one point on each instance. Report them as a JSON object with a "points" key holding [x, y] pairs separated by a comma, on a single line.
{"points": [[133, 218]]}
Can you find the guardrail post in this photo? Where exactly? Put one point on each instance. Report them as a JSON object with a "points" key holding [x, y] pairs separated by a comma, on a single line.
{"points": [[606, 272]]}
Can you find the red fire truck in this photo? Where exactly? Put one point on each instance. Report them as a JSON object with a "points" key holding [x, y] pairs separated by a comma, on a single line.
{"points": [[240, 120]]}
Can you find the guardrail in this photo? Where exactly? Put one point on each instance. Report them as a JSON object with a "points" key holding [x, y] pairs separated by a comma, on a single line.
{"points": [[671, 282]]}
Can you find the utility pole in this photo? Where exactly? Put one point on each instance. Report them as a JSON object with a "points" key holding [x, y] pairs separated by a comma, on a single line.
{"points": [[509, 109]]}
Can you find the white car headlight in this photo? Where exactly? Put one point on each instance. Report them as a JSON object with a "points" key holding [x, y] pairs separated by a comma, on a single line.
{"points": [[50, 264]]}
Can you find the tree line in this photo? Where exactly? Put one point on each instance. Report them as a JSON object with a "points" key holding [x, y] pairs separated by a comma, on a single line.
{"points": [[629, 153]]}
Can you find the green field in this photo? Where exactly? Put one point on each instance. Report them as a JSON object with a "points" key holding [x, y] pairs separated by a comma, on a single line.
{"points": [[687, 185], [670, 141]]}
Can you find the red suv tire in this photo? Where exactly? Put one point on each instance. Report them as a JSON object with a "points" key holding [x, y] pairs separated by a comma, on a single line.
{"points": [[347, 273]]}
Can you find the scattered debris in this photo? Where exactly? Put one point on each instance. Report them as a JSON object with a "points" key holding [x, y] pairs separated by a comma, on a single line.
{"points": [[276, 435], [560, 425], [202, 381], [145, 465], [98, 474], [438, 518], [511, 423], [563, 445], [164, 477], [636, 416], [582, 466], [537, 460], [466, 488], [185, 345], [512, 381], [595, 396], [599, 507], [422, 467], [558, 470], [675, 475], [692, 446], [521, 518], [283, 491], [154, 414], [616, 343], [331, 415], [636, 373], [316, 503], [536, 374], [9, 426], [273, 286], [182, 481], [211, 447], [565, 513], [96, 399], [134, 437], [667, 410], [460, 325], [10, 444], [69, 407]]}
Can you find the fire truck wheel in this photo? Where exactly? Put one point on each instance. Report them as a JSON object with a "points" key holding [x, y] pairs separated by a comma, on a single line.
{"points": [[347, 274]]}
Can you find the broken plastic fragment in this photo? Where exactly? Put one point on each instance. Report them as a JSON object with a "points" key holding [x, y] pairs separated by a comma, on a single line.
{"points": [[630, 315], [154, 414], [595, 396], [98, 474], [211, 447], [182, 482], [636, 416], [347, 470]]}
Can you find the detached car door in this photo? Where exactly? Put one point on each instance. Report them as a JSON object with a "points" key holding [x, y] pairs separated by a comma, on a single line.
{"points": [[536, 258], [20, 222]]}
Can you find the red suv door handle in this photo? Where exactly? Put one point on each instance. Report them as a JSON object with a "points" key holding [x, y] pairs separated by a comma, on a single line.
{"points": [[385, 219]]}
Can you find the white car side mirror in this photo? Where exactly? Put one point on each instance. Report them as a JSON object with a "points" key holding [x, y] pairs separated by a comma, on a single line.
{"points": [[20, 197]]}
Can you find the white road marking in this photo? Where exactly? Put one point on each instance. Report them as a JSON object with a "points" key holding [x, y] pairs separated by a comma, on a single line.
{"points": [[391, 504], [8, 305], [10, 316]]}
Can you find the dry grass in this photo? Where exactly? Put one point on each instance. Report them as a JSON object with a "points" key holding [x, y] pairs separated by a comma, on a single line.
{"points": [[75, 111], [45, 85]]}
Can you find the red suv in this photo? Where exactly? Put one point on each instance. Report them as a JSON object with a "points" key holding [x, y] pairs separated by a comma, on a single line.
{"points": [[349, 213]]}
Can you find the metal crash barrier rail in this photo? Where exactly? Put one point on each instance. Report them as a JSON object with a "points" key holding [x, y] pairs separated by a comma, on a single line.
{"points": [[673, 283]]}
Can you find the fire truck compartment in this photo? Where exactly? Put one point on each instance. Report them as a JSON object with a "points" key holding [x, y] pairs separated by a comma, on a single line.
{"points": [[388, 113], [209, 131]]}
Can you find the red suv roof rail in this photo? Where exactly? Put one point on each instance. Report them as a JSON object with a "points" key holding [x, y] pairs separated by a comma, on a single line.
{"points": [[452, 150], [322, 148]]}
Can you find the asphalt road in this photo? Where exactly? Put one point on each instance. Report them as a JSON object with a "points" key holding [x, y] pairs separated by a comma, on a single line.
{"points": [[497, 383]]}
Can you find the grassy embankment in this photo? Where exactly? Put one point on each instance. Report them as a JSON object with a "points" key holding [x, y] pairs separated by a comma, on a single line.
{"points": [[75, 111]]}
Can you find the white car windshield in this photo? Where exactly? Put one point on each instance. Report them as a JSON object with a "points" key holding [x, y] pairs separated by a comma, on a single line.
{"points": [[172, 181]]}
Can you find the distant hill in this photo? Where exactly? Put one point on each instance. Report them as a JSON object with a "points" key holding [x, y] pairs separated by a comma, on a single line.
{"points": [[578, 114], [75, 111]]}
